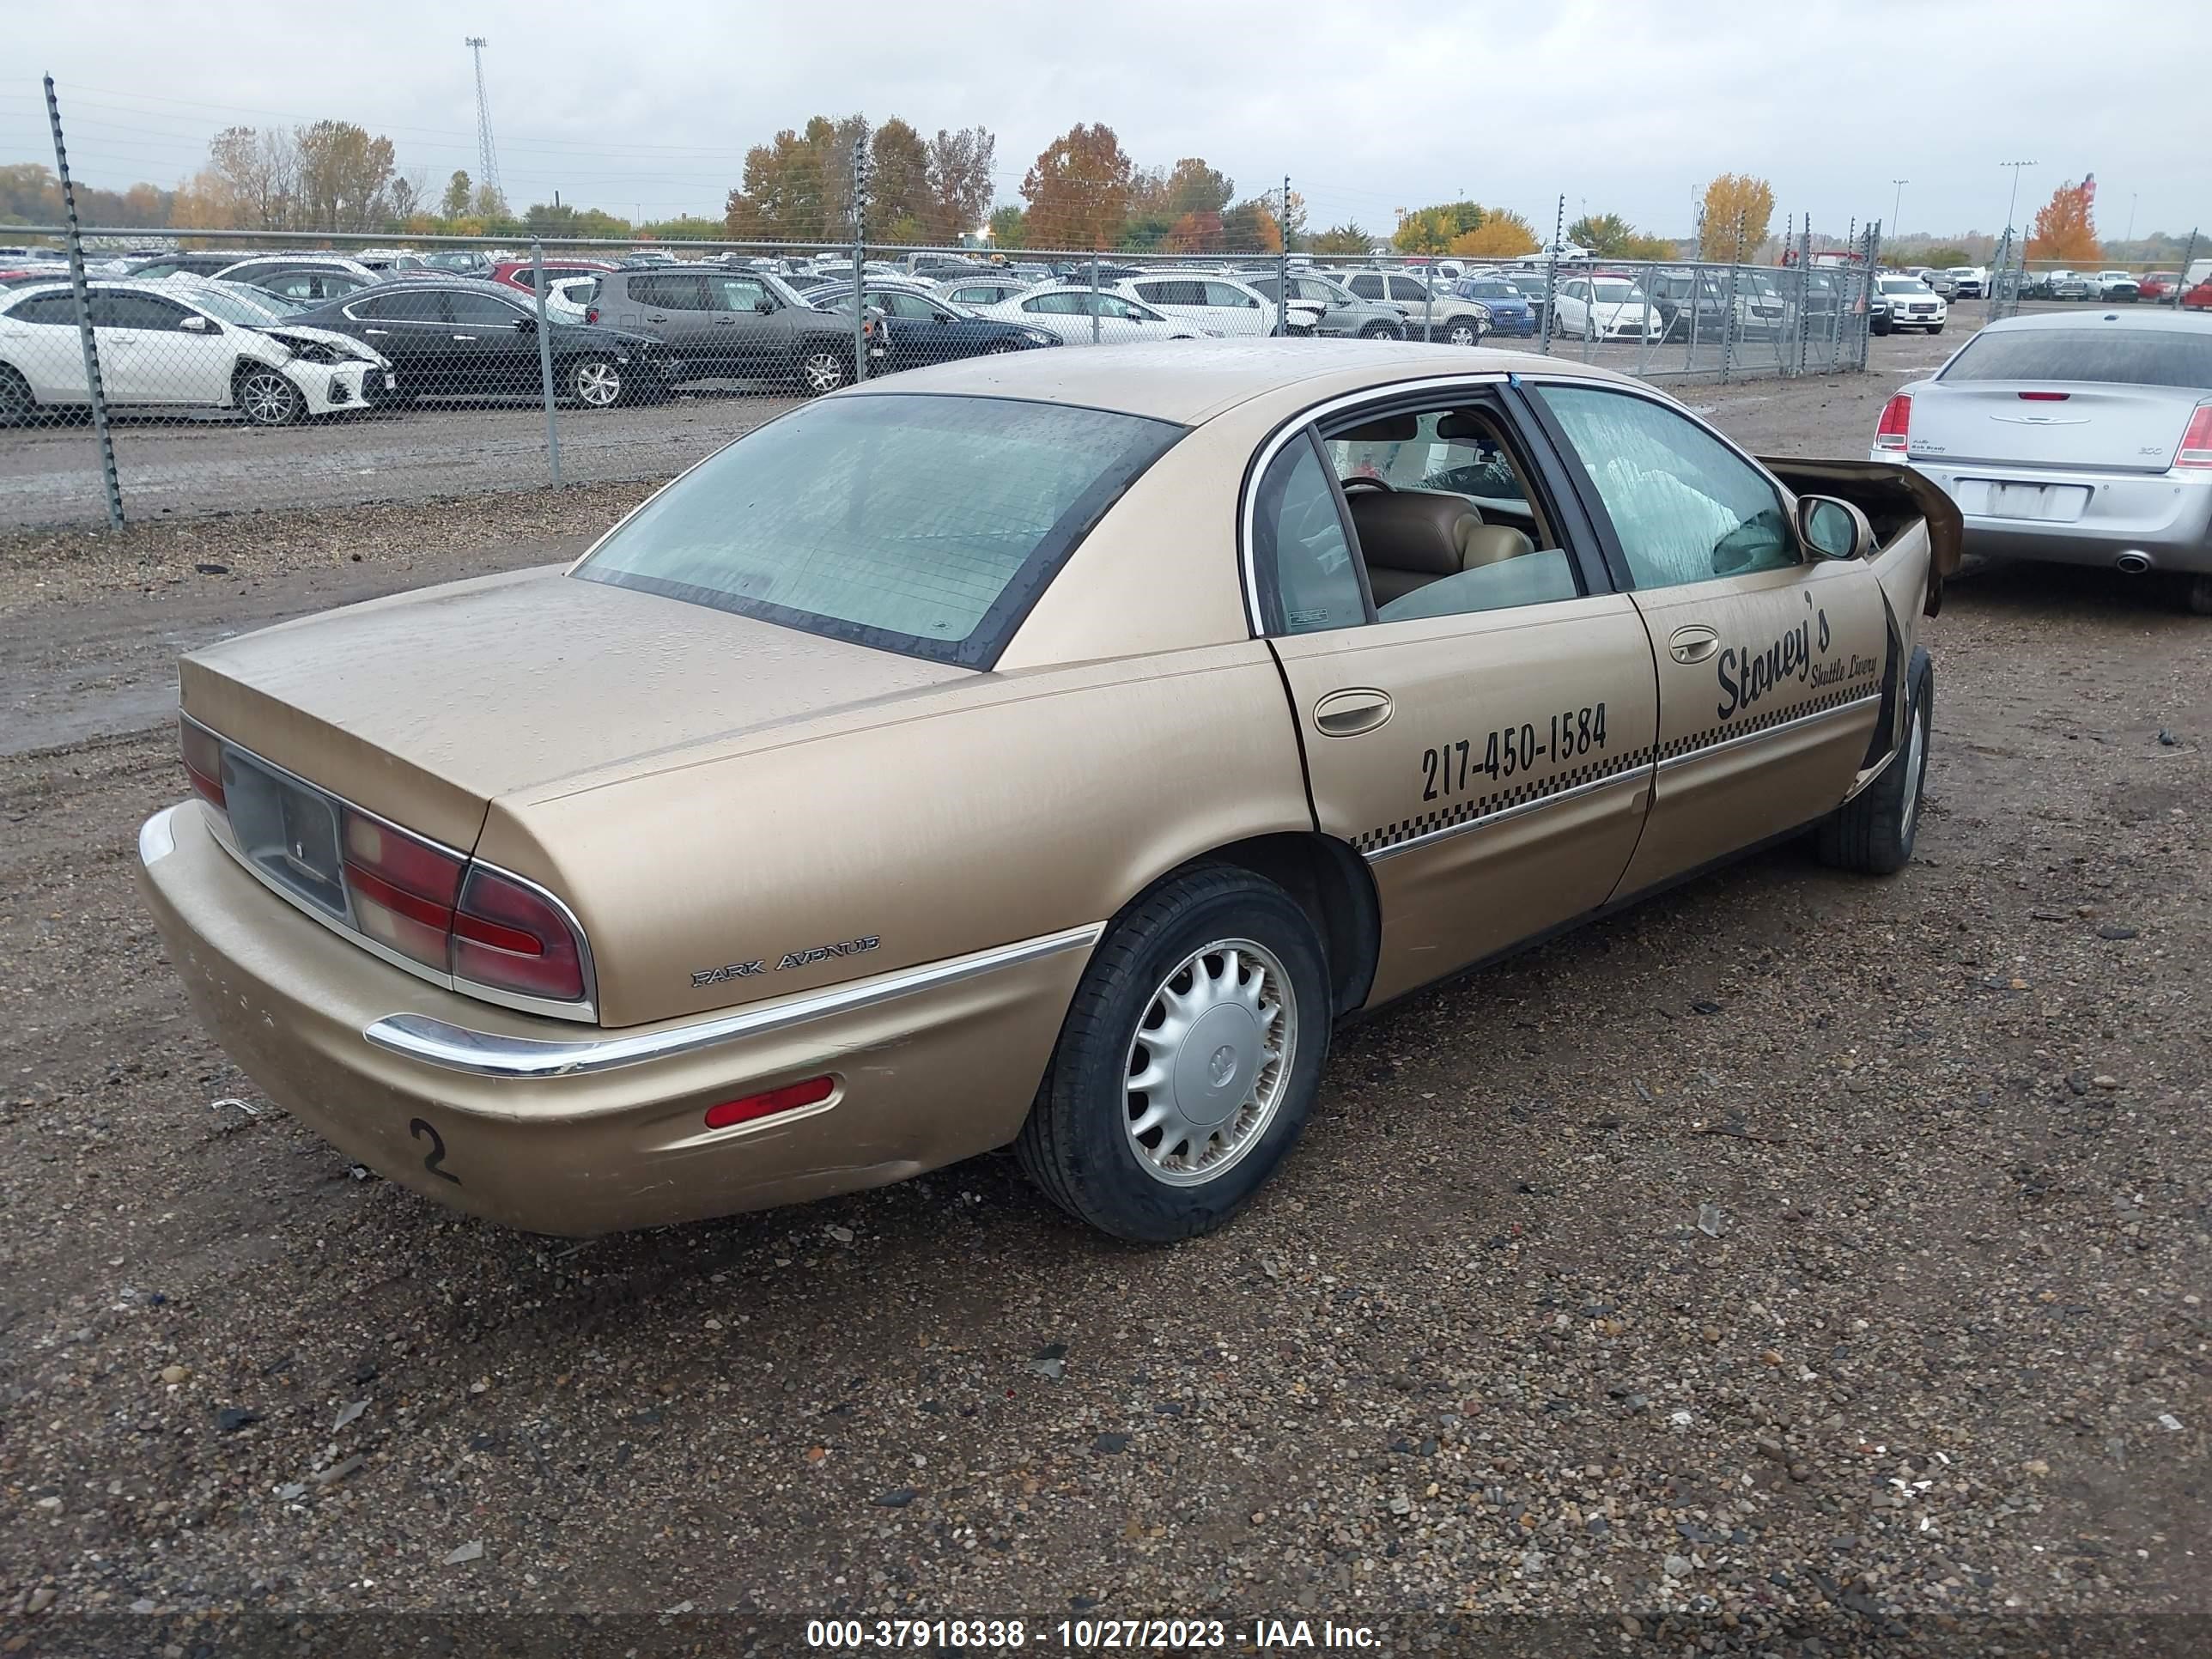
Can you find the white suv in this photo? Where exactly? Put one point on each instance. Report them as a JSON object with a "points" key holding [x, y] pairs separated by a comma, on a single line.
{"points": [[1216, 302]]}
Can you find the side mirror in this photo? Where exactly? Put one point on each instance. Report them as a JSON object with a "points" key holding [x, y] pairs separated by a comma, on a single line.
{"points": [[194, 325], [764, 304], [1833, 529]]}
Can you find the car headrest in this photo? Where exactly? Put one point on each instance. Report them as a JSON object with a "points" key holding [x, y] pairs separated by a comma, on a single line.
{"points": [[1388, 429], [1413, 530], [1494, 544], [1461, 427]]}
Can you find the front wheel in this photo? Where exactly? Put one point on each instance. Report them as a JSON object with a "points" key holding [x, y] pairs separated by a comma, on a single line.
{"points": [[266, 397], [1188, 1061], [596, 382], [1462, 333], [1938, 329], [822, 368], [1874, 831], [17, 401]]}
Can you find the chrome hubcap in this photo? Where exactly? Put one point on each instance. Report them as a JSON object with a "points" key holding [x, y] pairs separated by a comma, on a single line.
{"points": [[1915, 758], [1210, 1063], [1461, 335], [266, 399], [598, 384], [823, 373]]}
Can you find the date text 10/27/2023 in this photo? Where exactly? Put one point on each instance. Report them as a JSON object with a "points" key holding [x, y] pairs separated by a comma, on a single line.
{"points": [[1086, 1635]]}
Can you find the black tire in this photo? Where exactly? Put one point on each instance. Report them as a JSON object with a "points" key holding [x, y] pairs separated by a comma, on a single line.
{"points": [[266, 397], [1938, 329], [1874, 831], [1076, 1143], [596, 381], [1878, 328], [1381, 331], [1462, 333], [2196, 595], [18, 403]]}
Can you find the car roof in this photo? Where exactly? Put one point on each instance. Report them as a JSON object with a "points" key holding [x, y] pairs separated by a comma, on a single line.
{"points": [[2172, 322], [1191, 381]]}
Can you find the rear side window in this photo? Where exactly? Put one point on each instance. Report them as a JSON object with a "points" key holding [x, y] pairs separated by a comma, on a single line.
{"points": [[925, 525], [2123, 356], [406, 305]]}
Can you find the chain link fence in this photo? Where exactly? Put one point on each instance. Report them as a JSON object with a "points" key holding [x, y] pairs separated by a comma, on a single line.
{"points": [[222, 369]]}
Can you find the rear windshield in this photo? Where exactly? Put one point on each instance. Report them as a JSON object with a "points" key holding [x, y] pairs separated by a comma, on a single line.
{"points": [[2124, 357], [922, 525]]}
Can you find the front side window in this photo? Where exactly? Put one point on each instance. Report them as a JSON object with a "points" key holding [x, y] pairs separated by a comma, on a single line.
{"points": [[407, 305], [925, 525], [483, 310], [111, 309], [1226, 294], [1686, 506]]}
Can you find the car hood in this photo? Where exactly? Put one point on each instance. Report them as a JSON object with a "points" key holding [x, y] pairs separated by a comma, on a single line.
{"points": [[426, 706], [329, 336]]}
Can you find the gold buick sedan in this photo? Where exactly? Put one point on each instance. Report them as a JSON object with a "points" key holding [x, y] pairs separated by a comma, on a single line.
{"points": [[1047, 749]]}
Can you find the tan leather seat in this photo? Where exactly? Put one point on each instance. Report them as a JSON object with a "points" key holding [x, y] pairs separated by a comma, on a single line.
{"points": [[1410, 538], [1494, 544]]}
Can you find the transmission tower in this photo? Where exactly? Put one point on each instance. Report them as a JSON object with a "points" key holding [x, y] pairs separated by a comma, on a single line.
{"points": [[487, 158]]}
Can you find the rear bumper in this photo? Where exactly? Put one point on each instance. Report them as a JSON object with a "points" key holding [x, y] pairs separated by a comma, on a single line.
{"points": [[2167, 519], [561, 1128]]}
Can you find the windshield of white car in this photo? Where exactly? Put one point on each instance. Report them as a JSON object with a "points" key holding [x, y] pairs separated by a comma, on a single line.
{"points": [[1904, 285], [925, 525], [1617, 293], [2118, 357], [234, 307]]}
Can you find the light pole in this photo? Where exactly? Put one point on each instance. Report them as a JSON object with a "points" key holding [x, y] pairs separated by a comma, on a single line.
{"points": [[2013, 201], [2130, 236], [1897, 203]]}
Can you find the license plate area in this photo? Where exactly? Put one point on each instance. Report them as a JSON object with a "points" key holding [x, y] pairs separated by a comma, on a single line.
{"points": [[2046, 503], [286, 831]]}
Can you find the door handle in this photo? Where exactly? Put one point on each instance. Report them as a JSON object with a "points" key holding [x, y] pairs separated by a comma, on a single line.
{"points": [[1348, 713], [470, 337], [376, 331], [1692, 644], [655, 317]]}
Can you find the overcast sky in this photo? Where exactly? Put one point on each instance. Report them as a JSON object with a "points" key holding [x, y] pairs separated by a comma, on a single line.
{"points": [[1368, 107]]}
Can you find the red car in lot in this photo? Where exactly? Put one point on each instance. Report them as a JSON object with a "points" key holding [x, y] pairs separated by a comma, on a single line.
{"points": [[518, 273]]}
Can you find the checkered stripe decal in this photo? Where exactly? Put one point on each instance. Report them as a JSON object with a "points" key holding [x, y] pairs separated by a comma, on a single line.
{"points": [[1797, 711], [1518, 794]]}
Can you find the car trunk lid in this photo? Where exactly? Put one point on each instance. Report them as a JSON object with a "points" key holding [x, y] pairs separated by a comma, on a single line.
{"points": [[426, 706], [2049, 425]]}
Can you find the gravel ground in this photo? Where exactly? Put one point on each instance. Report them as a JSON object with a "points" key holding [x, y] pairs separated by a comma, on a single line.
{"points": [[1797, 1258]]}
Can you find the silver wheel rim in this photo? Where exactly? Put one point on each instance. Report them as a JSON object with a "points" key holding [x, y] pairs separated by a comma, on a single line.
{"points": [[1461, 335], [266, 400], [598, 384], [823, 371], [1210, 1063], [1915, 757]]}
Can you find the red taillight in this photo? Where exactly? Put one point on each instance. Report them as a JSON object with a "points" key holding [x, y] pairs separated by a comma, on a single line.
{"points": [[2045, 397], [202, 761], [1889, 432], [591, 314], [402, 890], [512, 937], [789, 1098], [2197, 442]]}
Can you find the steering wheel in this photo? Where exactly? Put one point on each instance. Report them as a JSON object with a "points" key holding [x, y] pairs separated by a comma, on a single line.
{"points": [[1361, 480]]}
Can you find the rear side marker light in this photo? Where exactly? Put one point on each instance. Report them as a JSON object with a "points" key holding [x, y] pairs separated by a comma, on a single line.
{"points": [[2197, 442], [1896, 422], [203, 761], [789, 1098]]}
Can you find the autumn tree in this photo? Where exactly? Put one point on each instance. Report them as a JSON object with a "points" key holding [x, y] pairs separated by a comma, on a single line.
{"points": [[898, 183], [2065, 228], [1502, 235], [1430, 229], [454, 203], [1195, 232], [1737, 210], [1251, 226], [1342, 239], [1602, 234], [344, 172], [799, 187], [30, 194], [1010, 228], [260, 171], [960, 181], [1078, 189]]}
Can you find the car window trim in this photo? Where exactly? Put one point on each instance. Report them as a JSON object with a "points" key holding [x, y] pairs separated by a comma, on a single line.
{"points": [[1586, 487]]}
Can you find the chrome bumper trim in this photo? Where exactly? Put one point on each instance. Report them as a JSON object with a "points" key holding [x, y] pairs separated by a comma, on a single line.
{"points": [[489, 1054], [1765, 732]]}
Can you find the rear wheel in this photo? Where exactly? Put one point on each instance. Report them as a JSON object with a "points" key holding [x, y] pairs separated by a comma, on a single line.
{"points": [[266, 397], [1874, 831], [2196, 595], [1378, 332], [1188, 1061]]}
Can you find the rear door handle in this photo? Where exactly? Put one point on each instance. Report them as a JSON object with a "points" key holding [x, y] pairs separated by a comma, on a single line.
{"points": [[1692, 644], [470, 337], [376, 331], [1348, 713], [655, 317]]}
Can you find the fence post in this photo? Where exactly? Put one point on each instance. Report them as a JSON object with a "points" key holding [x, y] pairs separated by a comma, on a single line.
{"points": [[94, 389], [1283, 264], [545, 359], [1552, 273], [1094, 296], [1727, 304], [2182, 285], [859, 259], [1873, 253]]}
